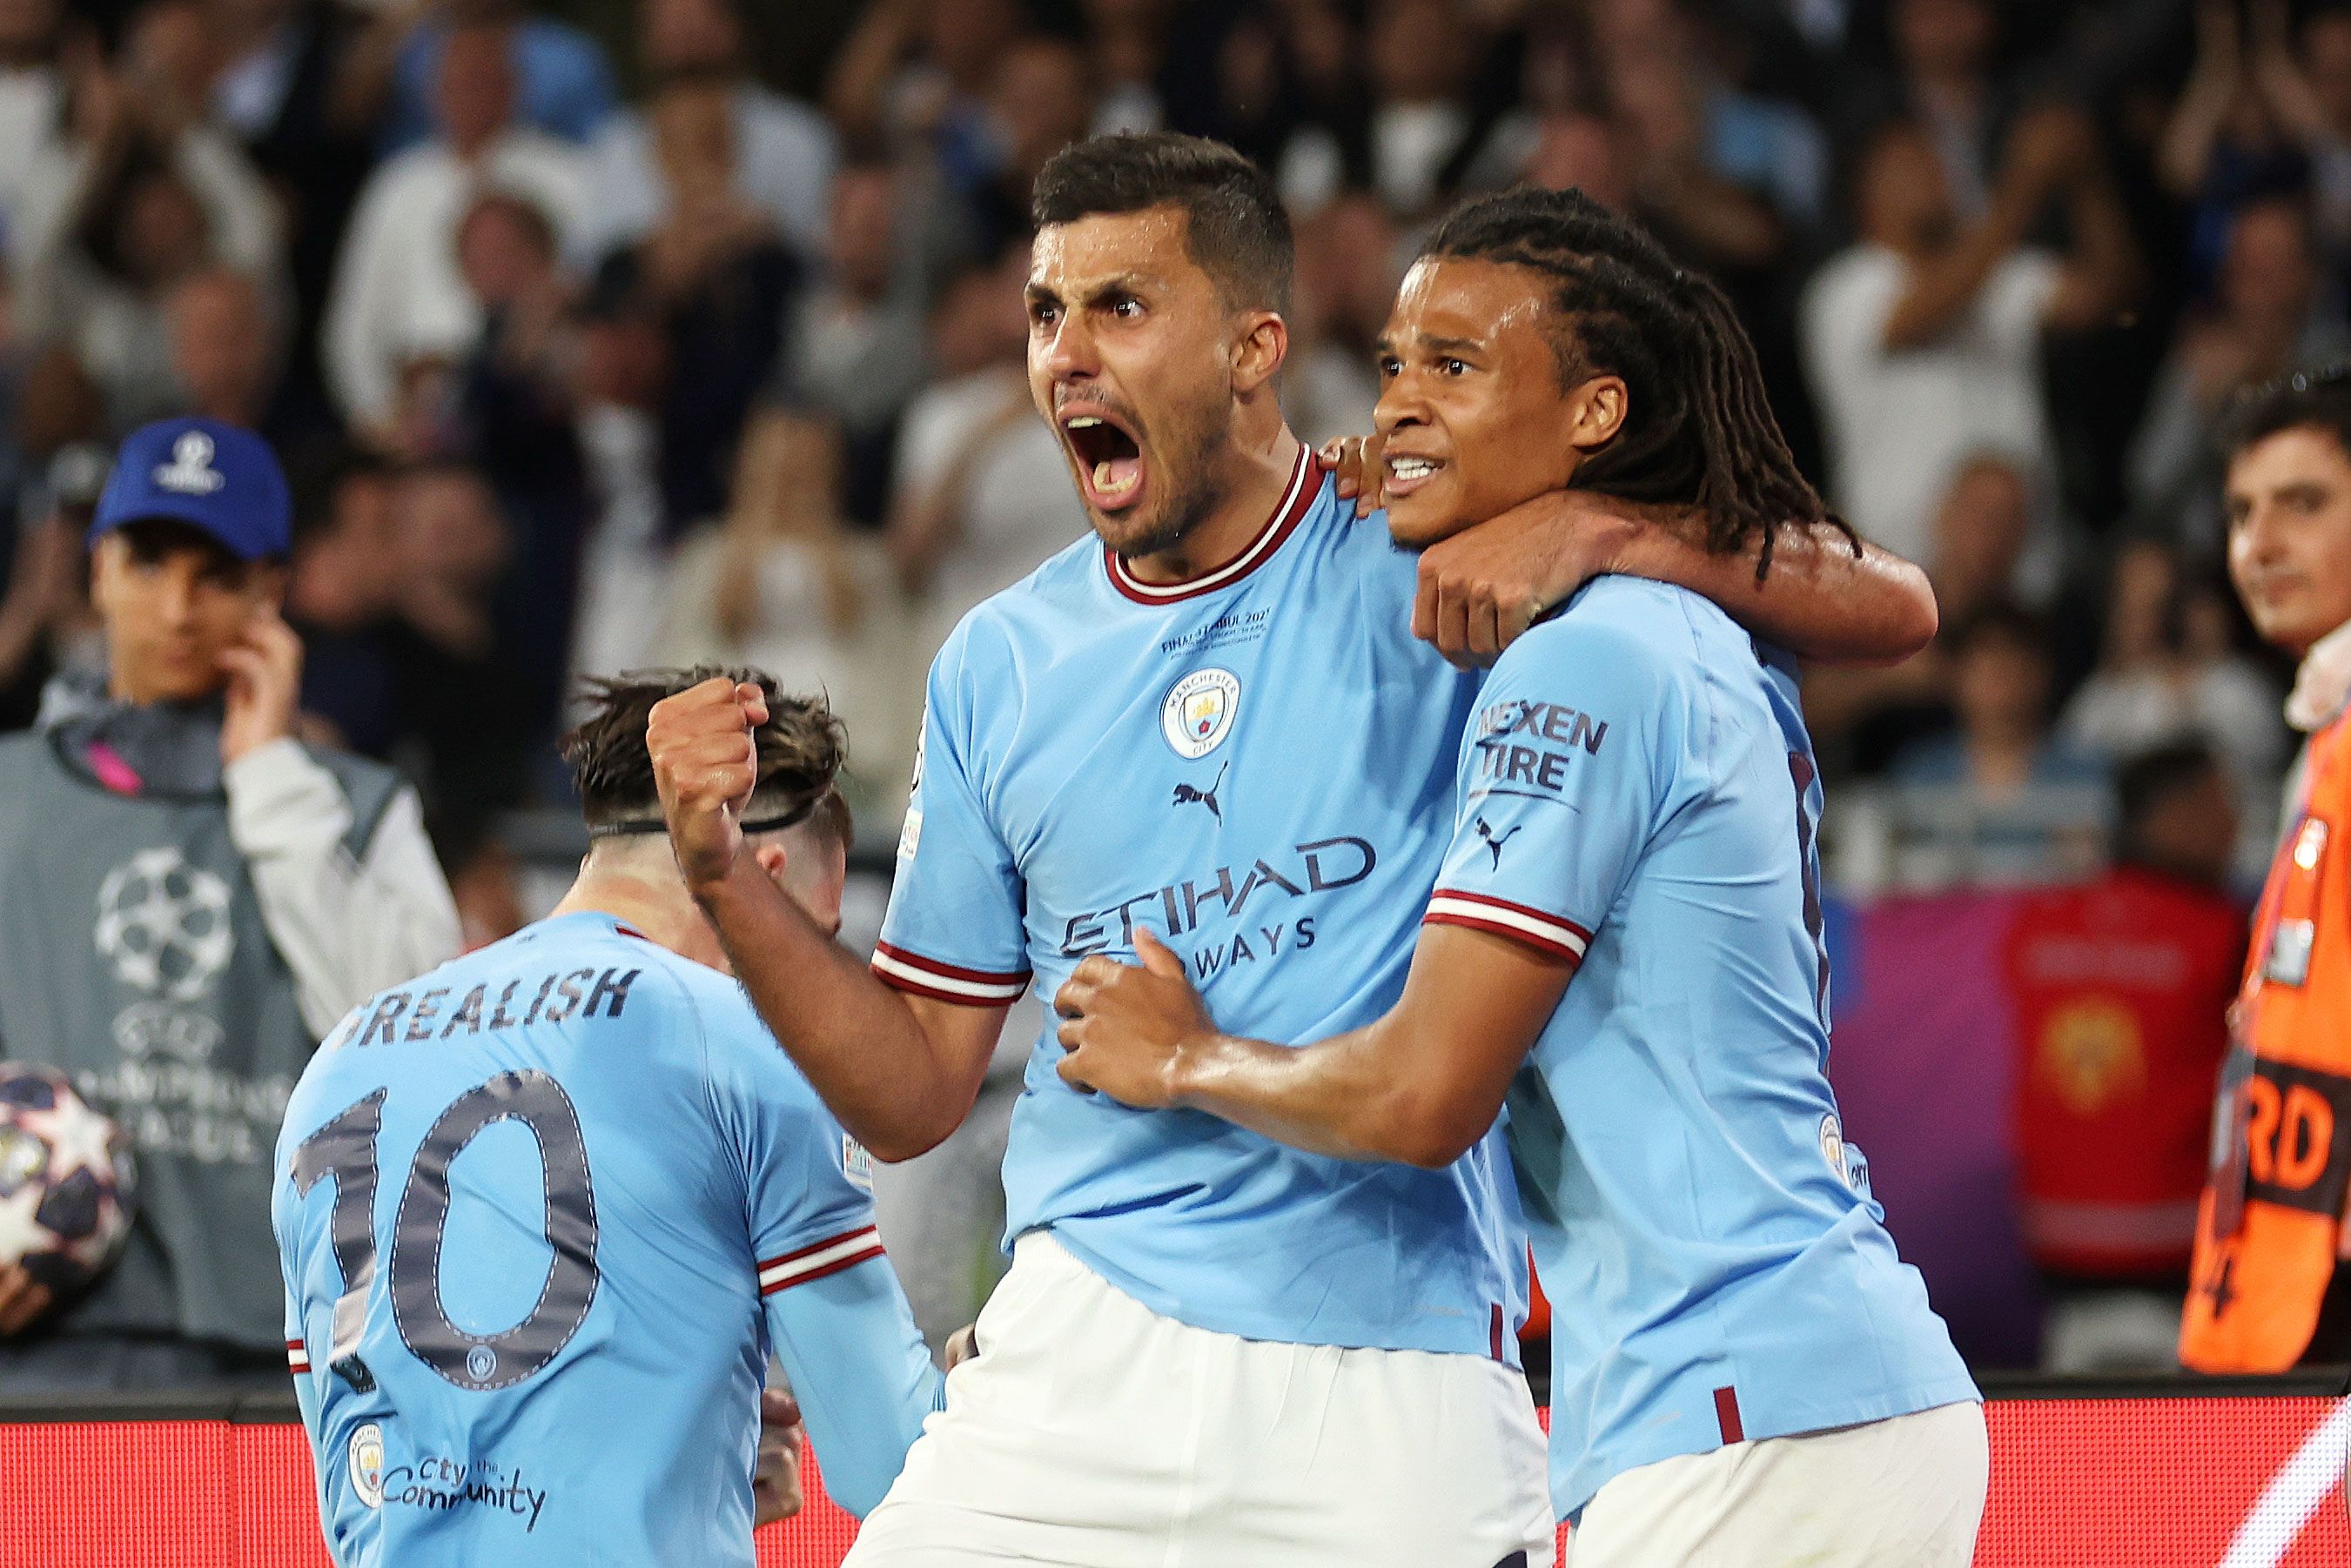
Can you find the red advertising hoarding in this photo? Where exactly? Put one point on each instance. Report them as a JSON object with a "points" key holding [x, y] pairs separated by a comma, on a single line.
{"points": [[2247, 1480]]}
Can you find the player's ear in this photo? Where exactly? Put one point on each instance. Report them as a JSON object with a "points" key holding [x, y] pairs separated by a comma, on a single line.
{"points": [[1258, 351], [771, 856], [1596, 410]]}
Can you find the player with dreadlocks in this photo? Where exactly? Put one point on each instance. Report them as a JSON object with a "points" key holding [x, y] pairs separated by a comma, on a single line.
{"points": [[1743, 1368]]}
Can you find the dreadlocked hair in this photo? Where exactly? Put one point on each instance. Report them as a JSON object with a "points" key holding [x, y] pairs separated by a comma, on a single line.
{"points": [[1699, 431]]}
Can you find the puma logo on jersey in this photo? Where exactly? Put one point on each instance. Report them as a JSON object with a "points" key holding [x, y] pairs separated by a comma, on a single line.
{"points": [[1186, 793], [1493, 843]]}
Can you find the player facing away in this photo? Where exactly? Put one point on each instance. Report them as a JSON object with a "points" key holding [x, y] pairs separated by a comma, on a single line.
{"points": [[544, 1211], [1744, 1371], [1211, 1349]]}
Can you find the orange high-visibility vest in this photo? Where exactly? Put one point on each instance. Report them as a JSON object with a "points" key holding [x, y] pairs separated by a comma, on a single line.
{"points": [[2269, 1229]]}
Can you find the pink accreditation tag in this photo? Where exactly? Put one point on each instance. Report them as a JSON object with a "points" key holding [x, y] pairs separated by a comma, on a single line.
{"points": [[107, 765]]}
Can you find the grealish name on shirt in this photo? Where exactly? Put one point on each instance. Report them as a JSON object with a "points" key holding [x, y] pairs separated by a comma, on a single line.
{"points": [[401, 1015]]}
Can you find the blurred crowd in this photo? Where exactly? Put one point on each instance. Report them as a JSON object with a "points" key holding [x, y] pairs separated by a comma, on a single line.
{"points": [[599, 335]]}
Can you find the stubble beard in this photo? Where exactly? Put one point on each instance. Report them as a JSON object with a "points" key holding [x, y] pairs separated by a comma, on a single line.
{"points": [[1185, 503]]}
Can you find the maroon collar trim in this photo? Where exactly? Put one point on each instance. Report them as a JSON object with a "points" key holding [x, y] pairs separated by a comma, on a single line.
{"points": [[1305, 480]]}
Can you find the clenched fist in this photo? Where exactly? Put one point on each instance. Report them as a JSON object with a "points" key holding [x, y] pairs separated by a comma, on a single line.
{"points": [[776, 1481], [705, 766]]}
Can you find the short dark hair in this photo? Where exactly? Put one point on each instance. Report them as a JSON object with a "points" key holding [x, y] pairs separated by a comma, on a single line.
{"points": [[801, 748], [316, 474], [1700, 431], [1235, 227], [2156, 777], [2315, 400]]}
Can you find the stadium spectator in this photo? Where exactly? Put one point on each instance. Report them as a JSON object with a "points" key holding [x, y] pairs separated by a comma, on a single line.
{"points": [[247, 889], [278, 65], [1946, 81], [1863, 718], [622, 364], [399, 298], [1040, 99], [43, 588], [564, 86], [224, 348], [1127, 47], [2267, 316], [142, 194], [918, 72], [2121, 988], [719, 280], [781, 583], [1724, 214], [2320, 113], [2168, 675], [1993, 770], [516, 415], [785, 151], [1581, 151], [341, 593], [2227, 140], [1420, 57], [1347, 275], [33, 94], [856, 352], [980, 486], [1922, 342]]}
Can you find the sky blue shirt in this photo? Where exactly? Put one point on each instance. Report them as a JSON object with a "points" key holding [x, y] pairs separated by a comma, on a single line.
{"points": [[1256, 765], [542, 1213], [563, 85], [1638, 792]]}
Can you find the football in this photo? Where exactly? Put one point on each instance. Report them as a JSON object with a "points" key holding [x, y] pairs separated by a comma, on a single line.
{"points": [[68, 1181]]}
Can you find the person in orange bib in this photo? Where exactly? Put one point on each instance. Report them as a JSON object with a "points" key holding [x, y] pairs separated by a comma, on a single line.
{"points": [[2266, 1293]]}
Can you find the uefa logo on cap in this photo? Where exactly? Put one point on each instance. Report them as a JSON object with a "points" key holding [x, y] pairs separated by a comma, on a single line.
{"points": [[191, 470]]}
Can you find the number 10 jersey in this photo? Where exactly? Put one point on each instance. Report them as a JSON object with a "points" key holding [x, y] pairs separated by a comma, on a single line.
{"points": [[541, 1214]]}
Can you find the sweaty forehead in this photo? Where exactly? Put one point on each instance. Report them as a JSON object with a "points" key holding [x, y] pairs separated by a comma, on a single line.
{"points": [[1461, 299], [1145, 247]]}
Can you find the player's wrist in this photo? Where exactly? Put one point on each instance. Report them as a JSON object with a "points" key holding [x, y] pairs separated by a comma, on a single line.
{"points": [[1194, 1068], [723, 891]]}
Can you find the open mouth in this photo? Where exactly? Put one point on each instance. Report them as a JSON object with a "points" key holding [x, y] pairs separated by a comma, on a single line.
{"points": [[1407, 471], [1111, 469]]}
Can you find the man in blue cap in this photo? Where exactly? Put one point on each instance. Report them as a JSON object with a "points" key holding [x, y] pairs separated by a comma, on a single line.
{"points": [[190, 898]]}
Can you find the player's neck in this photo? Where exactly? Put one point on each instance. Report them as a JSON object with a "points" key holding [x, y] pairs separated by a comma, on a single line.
{"points": [[1252, 480], [661, 909]]}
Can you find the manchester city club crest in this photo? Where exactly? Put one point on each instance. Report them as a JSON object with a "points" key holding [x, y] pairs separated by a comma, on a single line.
{"points": [[366, 1455], [1197, 713]]}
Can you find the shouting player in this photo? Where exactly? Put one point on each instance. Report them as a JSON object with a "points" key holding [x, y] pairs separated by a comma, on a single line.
{"points": [[1744, 1371], [544, 1210], [1213, 721]]}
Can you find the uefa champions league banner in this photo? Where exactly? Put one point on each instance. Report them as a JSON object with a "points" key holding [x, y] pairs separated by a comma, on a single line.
{"points": [[1923, 1058], [2238, 1480]]}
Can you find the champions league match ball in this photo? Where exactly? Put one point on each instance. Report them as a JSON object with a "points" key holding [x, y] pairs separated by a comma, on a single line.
{"points": [[66, 1180]]}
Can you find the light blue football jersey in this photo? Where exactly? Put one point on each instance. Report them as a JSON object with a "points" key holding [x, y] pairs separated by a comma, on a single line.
{"points": [[1637, 791], [1256, 765], [542, 1213]]}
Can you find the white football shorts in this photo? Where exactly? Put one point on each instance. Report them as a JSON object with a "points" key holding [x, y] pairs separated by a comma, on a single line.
{"points": [[1908, 1491], [1093, 1433]]}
